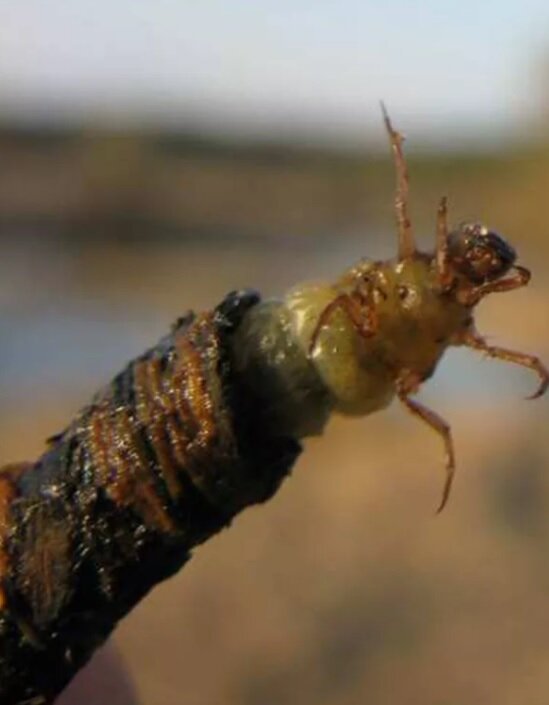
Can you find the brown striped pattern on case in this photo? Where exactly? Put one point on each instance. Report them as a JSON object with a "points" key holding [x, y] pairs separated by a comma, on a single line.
{"points": [[171, 422], [8, 491], [163, 458]]}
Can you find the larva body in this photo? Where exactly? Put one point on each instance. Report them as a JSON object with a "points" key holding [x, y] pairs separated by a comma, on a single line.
{"points": [[347, 373]]}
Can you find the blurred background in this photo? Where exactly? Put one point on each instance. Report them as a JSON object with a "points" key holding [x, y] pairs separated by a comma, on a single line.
{"points": [[154, 156]]}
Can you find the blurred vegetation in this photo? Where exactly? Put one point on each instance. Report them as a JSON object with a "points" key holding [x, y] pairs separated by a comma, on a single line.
{"points": [[131, 185]]}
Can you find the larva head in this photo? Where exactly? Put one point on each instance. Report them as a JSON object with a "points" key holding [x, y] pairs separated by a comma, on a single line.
{"points": [[467, 260], [473, 261], [479, 255]]}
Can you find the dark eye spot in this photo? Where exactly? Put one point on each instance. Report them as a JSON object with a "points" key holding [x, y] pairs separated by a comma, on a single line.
{"points": [[479, 252], [382, 293], [403, 292]]}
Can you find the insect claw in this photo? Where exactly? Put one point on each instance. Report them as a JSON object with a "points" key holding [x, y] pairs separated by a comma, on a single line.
{"points": [[450, 470], [540, 391], [438, 424], [473, 340], [543, 374]]}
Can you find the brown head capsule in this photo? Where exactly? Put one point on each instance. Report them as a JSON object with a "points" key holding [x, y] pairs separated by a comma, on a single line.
{"points": [[478, 254]]}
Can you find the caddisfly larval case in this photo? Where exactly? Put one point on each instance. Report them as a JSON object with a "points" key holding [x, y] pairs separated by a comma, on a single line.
{"points": [[161, 459]]}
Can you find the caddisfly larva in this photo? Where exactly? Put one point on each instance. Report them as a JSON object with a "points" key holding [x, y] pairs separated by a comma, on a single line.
{"points": [[209, 421], [381, 329]]}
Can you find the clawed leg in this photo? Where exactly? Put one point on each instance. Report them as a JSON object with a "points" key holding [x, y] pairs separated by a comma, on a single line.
{"points": [[357, 309], [406, 244], [519, 277], [443, 429], [441, 254], [471, 339]]}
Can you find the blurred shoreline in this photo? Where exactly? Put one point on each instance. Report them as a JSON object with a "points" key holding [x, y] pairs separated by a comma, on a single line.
{"points": [[120, 186]]}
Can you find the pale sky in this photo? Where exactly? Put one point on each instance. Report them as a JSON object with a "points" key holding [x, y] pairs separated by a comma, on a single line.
{"points": [[459, 69]]}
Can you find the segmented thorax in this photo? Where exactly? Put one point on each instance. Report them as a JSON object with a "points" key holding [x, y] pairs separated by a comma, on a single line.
{"points": [[398, 321], [416, 321]]}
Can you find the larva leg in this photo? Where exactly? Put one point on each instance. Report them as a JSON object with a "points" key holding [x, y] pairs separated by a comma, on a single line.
{"points": [[439, 425], [441, 261], [520, 277], [406, 243], [356, 307], [473, 340]]}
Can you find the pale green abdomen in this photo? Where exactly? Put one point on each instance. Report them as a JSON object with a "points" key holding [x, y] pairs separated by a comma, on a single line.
{"points": [[299, 391], [348, 364]]}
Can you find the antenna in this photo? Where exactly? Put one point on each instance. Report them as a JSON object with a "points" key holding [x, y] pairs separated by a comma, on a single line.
{"points": [[406, 242]]}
